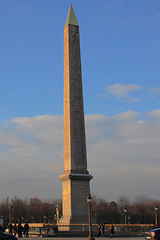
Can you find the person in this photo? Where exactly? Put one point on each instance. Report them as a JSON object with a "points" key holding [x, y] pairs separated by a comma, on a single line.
{"points": [[20, 229], [10, 227], [48, 230], [26, 229], [15, 229], [111, 230], [102, 230], [98, 228], [2, 228]]}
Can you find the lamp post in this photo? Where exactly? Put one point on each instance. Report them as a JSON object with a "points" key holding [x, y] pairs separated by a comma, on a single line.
{"points": [[125, 215], [129, 219], [89, 201], [10, 213], [57, 213], [156, 216]]}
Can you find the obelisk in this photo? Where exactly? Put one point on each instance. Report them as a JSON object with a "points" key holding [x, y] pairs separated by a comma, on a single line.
{"points": [[75, 178]]}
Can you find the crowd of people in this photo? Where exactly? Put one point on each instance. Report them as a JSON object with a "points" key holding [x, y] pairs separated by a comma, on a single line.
{"points": [[19, 229], [24, 230], [101, 230]]}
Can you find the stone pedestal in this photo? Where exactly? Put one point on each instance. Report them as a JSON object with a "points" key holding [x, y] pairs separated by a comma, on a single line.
{"points": [[75, 191]]}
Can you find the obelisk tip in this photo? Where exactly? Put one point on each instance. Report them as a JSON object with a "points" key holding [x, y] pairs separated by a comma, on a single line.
{"points": [[71, 17]]}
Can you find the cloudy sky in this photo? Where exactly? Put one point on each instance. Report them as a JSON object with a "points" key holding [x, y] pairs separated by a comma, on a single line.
{"points": [[120, 54]]}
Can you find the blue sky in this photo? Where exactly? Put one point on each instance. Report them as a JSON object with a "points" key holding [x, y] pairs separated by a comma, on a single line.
{"points": [[120, 55]]}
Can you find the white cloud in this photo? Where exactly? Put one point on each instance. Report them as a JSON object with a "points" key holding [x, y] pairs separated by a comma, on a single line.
{"points": [[125, 116], [123, 155], [122, 90], [155, 92], [32, 151], [154, 114]]}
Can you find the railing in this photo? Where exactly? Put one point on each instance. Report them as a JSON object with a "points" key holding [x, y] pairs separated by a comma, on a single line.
{"points": [[46, 229]]}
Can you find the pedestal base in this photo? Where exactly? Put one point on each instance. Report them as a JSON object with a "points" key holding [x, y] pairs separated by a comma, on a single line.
{"points": [[75, 208]]}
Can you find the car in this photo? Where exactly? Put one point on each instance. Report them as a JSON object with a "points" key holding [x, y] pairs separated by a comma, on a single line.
{"points": [[6, 236], [153, 234]]}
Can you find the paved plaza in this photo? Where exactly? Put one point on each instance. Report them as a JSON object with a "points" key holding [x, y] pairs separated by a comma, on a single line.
{"points": [[116, 238]]}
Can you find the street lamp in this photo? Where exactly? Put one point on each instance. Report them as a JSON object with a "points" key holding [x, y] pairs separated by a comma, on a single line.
{"points": [[156, 216], [129, 219], [125, 215], [89, 201], [10, 213], [57, 213]]}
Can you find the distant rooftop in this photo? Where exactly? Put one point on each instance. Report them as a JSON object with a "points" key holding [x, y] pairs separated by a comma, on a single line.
{"points": [[71, 17]]}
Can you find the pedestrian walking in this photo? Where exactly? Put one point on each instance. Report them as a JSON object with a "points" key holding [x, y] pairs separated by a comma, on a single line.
{"points": [[102, 230], [111, 230], [10, 228], [26, 229], [15, 229], [2, 228], [20, 230], [99, 230]]}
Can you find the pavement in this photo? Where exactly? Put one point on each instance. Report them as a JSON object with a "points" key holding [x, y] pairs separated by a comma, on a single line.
{"points": [[115, 238]]}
